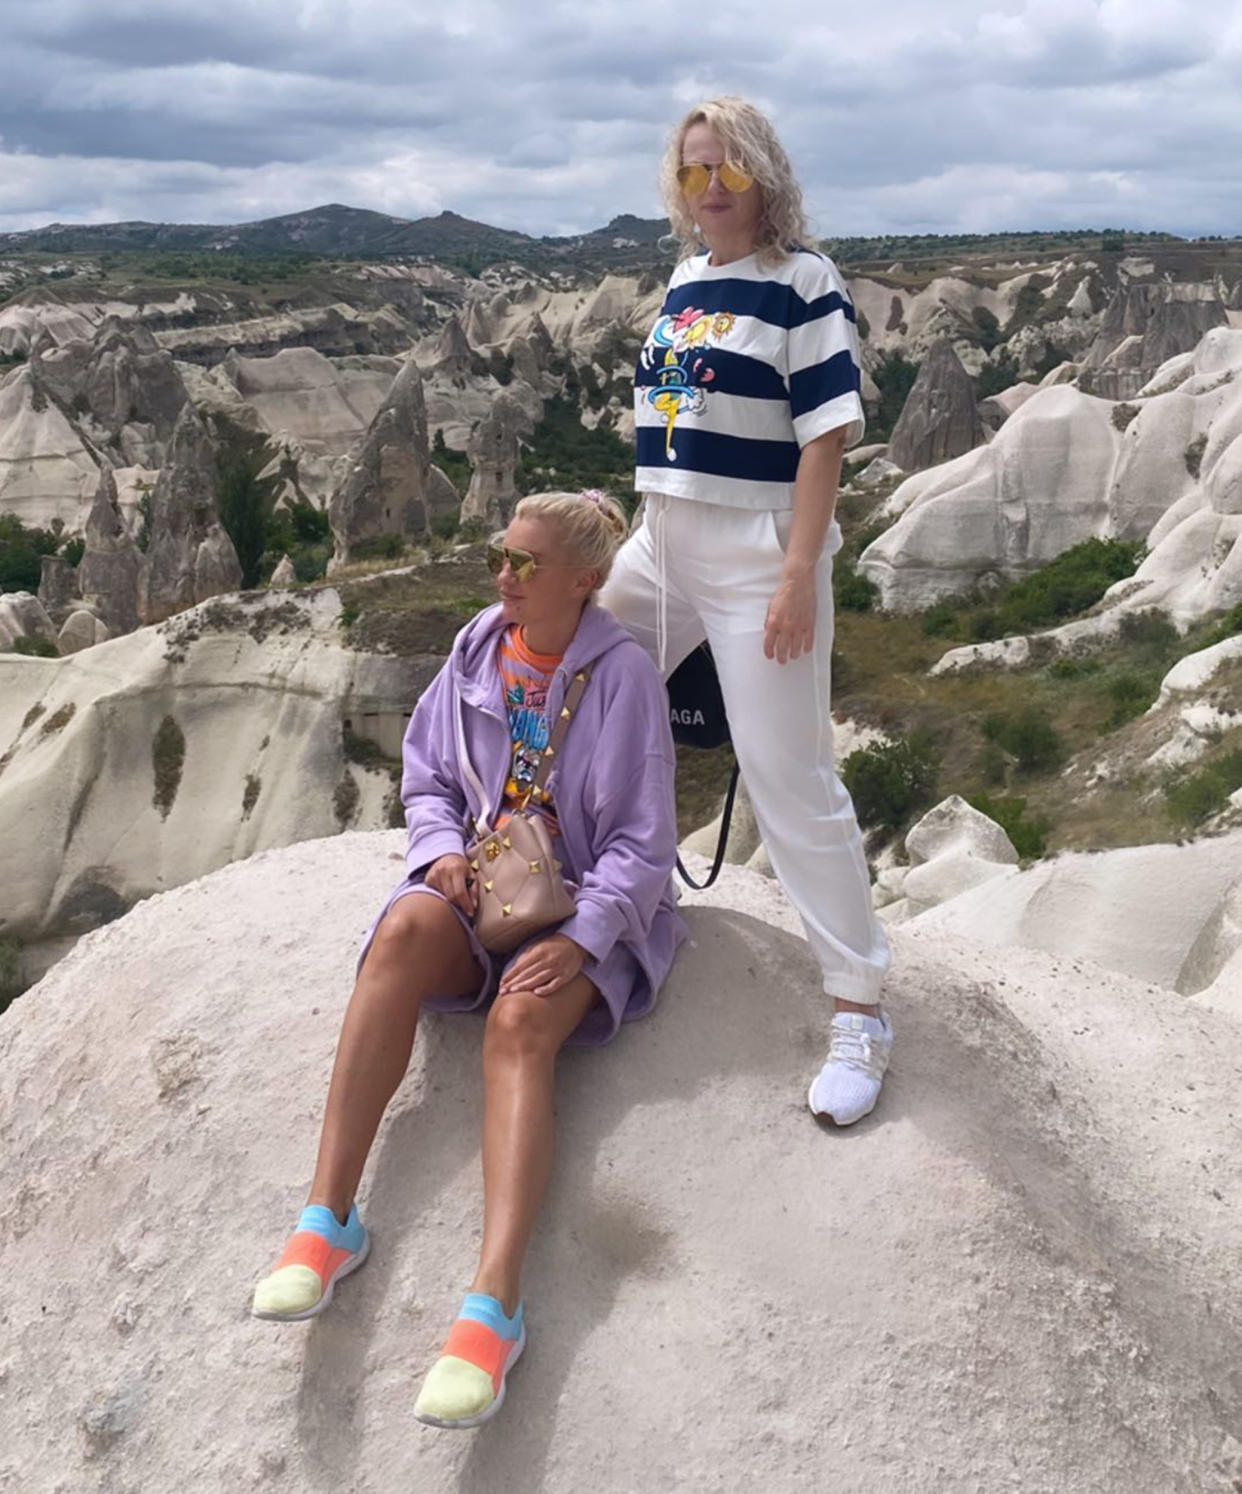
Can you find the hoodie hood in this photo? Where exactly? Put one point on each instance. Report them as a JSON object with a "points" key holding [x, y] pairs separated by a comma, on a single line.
{"points": [[474, 649]]}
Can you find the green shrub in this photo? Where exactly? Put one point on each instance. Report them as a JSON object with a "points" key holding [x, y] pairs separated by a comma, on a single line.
{"points": [[246, 500], [22, 551], [852, 591], [890, 781], [939, 620], [1194, 798], [35, 646], [1123, 415], [1193, 455], [1027, 736], [1029, 837], [453, 463], [1069, 668], [1228, 626], [564, 454], [167, 761], [987, 326], [1131, 692], [345, 799], [894, 377], [993, 377], [1150, 629]]}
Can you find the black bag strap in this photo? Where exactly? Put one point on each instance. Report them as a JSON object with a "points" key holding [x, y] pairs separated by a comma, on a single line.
{"points": [[726, 817]]}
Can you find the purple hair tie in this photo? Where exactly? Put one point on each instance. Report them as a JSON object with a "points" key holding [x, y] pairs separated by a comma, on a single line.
{"points": [[597, 496]]}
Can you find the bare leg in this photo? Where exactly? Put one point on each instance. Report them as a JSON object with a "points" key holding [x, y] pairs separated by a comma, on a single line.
{"points": [[524, 1034], [419, 950]]}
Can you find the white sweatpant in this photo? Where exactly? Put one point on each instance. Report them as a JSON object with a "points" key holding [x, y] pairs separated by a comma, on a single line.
{"points": [[696, 570]]}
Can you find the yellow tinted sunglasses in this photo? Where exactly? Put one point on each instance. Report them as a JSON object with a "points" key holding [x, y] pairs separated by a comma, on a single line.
{"points": [[521, 562], [695, 177]]}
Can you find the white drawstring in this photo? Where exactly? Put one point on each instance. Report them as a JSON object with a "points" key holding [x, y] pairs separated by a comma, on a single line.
{"points": [[657, 533]]}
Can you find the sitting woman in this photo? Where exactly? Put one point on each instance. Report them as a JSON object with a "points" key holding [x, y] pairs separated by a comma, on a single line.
{"points": [[609, 805]]}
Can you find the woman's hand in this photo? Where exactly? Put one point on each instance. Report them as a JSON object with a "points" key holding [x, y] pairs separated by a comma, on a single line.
{"points": [[544, 967], [450, 876], [790, 628]]}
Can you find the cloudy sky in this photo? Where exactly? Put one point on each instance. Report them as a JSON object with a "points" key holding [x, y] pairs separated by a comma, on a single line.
{"points": [[899, 116]]}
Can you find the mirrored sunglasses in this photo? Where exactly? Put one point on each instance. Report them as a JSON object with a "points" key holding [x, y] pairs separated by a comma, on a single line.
{"points": [[521, 563], [694, 178]]}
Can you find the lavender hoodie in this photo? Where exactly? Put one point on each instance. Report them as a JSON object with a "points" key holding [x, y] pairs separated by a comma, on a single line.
{"points": [[612, 785]]}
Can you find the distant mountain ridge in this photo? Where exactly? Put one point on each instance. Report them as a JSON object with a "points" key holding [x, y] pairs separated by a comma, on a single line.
{"points": [[333, 229]]}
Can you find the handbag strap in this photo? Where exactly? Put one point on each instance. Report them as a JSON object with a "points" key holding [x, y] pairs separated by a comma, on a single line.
{"points": [[573, 695], [483, 818], [546, 758], [725, 821]]}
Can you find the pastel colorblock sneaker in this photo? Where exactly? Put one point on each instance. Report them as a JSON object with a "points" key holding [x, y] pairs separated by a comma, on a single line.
{"points": [[466, 1386], [320, 1252], [848, 1085]]}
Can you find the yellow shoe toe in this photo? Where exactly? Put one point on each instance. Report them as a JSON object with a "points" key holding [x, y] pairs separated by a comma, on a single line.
{"points": [[291, 1290], [454, 1390]]}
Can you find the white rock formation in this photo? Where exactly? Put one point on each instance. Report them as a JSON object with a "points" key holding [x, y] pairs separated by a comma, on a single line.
{"points": [[952, 848], [1061, 470], [22, 615], [257, 691], [81, 629], [47, 469], [1140, 910], [1037, 488], [1039, 1226]]}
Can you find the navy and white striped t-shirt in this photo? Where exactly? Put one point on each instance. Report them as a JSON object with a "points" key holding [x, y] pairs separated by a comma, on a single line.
{"points": [[743, 367]]}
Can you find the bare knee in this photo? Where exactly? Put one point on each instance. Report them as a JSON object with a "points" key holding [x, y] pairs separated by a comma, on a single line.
{"points": [[520, 1026], [411, 919]]}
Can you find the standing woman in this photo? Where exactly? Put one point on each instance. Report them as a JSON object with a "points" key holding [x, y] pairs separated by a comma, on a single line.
{"points": [[747, 394]]}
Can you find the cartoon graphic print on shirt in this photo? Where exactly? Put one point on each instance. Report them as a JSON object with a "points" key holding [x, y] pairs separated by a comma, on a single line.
{"points": [[676, 346], [528, 731], [525, 678]]}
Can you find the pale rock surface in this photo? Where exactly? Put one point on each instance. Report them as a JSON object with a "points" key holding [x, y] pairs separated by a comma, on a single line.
{"points": [[58, 587], [48, 469], [1140, 910], [385, 491], [1144, 325], [124, 388], [22, 615], [1039, 487], [494, 452], [1019, 1273], [81, 629], [259, 689], [112, 566], [1196, 670], [878, 470], [940, 419], [284, 574], [190, 557], [997, 408], [952, 848]]}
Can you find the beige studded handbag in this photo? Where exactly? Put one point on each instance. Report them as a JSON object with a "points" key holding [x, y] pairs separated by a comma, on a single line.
{"points": [[518, 881]]}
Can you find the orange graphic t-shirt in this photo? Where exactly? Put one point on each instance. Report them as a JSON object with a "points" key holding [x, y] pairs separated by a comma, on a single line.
{"points": [[525, 678]]}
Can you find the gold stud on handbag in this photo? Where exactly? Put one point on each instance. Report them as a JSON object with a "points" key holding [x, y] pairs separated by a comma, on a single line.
{"points": [[525, 891]]}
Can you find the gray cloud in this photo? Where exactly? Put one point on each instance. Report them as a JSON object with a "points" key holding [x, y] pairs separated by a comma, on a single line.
{"points": [[551, 119]]}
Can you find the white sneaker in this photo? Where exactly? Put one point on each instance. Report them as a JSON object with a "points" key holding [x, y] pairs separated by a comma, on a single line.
{"points": [[848, 1085]]}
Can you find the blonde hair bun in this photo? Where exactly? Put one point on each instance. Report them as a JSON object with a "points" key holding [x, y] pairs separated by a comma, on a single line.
{"points": [[591, 525]]}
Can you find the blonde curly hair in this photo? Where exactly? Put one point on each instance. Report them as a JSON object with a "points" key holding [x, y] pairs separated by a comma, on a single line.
{"points": [[590, 525], [749, 139]]}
